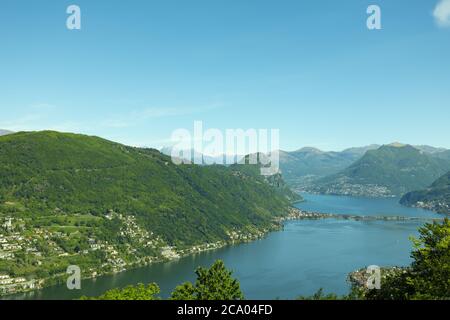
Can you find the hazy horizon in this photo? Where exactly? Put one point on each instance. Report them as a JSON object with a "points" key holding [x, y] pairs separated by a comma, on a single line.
{"points": [[161, 148]]}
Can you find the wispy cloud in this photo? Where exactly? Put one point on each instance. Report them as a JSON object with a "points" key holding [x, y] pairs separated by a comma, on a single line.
{"points": [[138, 116], [41, 116], [441, 13], [42, 106], [26, 122]]}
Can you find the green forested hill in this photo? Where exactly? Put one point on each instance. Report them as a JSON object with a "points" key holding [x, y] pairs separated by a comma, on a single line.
{"points": [[275, 180], [84, 192], [436, 197], [46, 173], [389, 170]]}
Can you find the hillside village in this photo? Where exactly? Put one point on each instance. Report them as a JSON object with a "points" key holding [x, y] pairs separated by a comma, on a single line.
{"points": [[19, 245]]}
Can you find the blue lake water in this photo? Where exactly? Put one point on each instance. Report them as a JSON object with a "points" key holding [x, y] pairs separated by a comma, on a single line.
{"points": [[304, 257], [361, 206]]}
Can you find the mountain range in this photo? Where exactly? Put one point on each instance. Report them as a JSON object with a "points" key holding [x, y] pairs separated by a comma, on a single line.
{"points": [[373, 170], [302, 166], [193, 156], [391, 170]]}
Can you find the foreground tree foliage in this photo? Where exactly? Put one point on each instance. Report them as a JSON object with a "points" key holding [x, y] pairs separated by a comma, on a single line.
{"points": [[319, 295], [139, 292], [214, 283], [431, 266]]}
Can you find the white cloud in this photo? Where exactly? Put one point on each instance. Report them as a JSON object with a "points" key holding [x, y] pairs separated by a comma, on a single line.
{"points": [[442, 13], [24, 123], [138, 117]]}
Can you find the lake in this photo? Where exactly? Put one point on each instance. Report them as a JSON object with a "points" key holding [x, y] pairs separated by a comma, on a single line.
{"points": [[306, 256]]}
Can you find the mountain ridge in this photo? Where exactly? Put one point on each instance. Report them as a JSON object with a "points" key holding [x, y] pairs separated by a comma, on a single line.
{"points": [[390, 170], [302, 167]]}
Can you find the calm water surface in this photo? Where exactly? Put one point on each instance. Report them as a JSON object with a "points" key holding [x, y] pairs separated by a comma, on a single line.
{"points": [[361, 206], [305, 256]]}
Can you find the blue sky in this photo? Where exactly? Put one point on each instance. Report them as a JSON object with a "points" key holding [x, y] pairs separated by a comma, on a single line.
{"points": [[138, 70]]}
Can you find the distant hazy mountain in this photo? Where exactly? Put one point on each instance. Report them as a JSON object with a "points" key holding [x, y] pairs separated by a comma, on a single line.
{"points": [[5, 132], [360, 151], [193, 156], [442, 154], [301, 167], [390, 170], [430, 149], [436, 197]]}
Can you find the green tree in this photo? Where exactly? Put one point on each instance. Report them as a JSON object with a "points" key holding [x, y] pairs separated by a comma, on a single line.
{"points": [[139, 292], [215, 283], [394, 286], [319, 295], [431, 265], [186, 291]]}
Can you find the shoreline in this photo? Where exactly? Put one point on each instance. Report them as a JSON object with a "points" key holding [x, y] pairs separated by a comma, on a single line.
{"points": [[294, 214], [173, 255], [298, 214]]}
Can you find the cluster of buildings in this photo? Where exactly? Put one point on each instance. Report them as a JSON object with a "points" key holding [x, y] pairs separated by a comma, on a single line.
{"points": [[344, 188], [440, 206], [10, 241], [10, 285]]}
